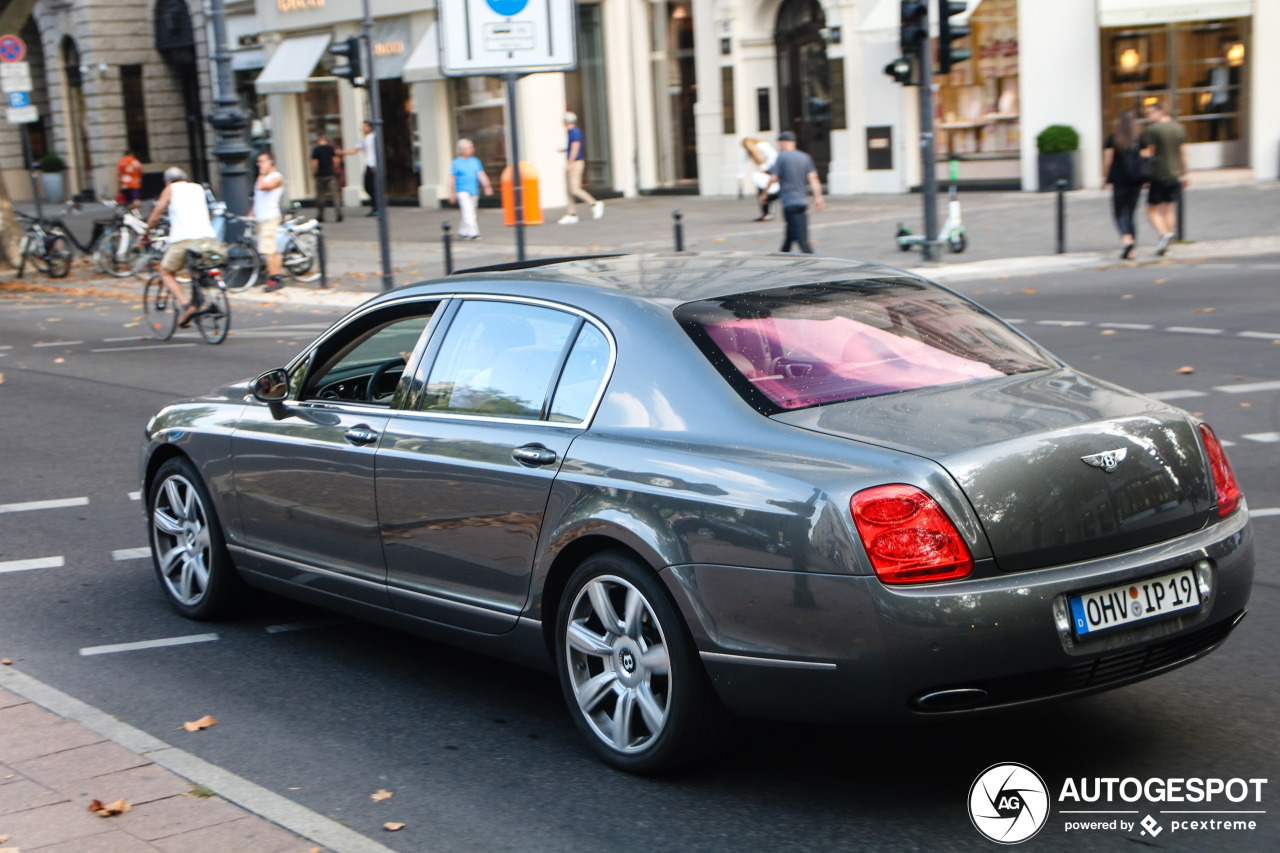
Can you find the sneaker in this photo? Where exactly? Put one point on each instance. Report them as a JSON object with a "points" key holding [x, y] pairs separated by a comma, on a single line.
{"points": [[1163, 245], [1127, 252], [597, 210], [274, 285], [372, 213], [568, 219]]}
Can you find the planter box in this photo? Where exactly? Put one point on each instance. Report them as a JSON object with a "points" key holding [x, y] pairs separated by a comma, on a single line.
{"points": [[53, 186], [1062, 166]]}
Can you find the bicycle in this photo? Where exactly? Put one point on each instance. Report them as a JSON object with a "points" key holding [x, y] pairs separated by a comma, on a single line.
{"points": [[244, 264], [44, 244], [208, 294], [116, 246], [299, 241]]}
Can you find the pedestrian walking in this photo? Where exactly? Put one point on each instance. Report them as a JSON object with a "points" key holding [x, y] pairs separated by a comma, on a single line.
{"points": [[795, 173], [1165, 142], [129, 170], [1125, 169], [369, 148], [267, 190], [574, 167], [466, 179], [757, 160], [327, 192]]}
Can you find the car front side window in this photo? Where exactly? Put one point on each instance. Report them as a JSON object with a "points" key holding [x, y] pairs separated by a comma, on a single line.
{"points": [[363, 361]]}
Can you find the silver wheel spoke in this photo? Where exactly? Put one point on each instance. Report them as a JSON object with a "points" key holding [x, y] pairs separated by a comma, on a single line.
{"points": [[199, 574], [603, 607], [582, 639], [169, 558], [594, 689], [633, 609], [653, 715], [622, 720], [655, 660], [184, 584], [166, 523], [176, 504]]}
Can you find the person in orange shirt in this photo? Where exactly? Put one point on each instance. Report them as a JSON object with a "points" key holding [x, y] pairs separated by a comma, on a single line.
{"points": [[130, 171]]}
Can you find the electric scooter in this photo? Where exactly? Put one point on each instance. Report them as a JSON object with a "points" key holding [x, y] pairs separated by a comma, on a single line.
{"points": [[952, 231]]}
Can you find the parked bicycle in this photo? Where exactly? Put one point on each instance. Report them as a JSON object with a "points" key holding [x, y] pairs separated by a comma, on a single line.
{"points": [[120, 237], [300, 242], [45, 245], [208, 294]]}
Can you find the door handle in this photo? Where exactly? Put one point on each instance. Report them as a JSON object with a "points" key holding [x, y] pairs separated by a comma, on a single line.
{"points": [[533, 455], [361, 435]]}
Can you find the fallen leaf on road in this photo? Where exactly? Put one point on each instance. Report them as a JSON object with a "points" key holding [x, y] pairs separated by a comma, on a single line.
{"points": [[1027, 289], [5, 662], [380, 795], [1186, 370], [1246, 405], [392, 826], [202, 723], [1161, 280], [3, 838], [111, 809], [55, 319], [1108, 331], [1127, 296], [1203, 310], [59, 361]]}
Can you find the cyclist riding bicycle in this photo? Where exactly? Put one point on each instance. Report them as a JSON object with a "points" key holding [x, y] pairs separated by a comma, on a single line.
{"points": [[188, 211]]}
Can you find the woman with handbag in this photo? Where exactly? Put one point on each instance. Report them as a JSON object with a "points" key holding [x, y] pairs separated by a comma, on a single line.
{"points": [[1124, 168], [757, 160]]}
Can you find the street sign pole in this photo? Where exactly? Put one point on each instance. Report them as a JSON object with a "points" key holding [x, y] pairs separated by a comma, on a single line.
{"points": [[516, 183], [380, 169], [27, 157]]}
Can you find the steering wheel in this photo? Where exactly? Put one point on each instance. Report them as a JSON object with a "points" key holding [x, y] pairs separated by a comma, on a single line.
{"points": [[371, 391]]}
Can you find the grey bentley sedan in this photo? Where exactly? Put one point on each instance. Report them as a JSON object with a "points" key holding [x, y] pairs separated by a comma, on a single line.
{"points": [[797, 488]]}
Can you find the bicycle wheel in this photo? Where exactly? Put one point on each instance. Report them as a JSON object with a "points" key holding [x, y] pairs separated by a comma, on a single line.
{"points": [[143, 261], [159, 311], [59, 254], [214, 317], [301, 256], [242, 267], [112, 253], [29, 250]]}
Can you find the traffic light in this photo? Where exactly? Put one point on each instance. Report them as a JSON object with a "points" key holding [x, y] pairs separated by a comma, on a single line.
{"points": [[353, 70], [914, 26], [949, 32], [901, 70]]}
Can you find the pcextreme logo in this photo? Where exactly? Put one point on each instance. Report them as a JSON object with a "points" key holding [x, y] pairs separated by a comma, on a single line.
{"points": [[1009, 803]]}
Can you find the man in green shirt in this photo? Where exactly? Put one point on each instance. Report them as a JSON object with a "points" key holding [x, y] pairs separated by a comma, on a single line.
{"points": [[1165, 142]]}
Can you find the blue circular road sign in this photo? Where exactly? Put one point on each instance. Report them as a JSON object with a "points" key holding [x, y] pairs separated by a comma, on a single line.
{"points": [[507, 8]]}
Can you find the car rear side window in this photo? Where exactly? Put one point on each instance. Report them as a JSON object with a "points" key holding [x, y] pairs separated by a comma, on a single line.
{"points": [[795, 347], [498, 359], [580, 380]]}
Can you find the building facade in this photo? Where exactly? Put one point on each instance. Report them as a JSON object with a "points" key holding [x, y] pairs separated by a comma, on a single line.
{"points": [[109, 75]]}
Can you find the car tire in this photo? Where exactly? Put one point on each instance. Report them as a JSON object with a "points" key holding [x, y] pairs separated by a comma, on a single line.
{"points": [[187, 546], [633, 665]]}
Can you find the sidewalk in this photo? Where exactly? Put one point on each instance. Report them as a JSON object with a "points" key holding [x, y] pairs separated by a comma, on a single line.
{"points": [[58, 755]]}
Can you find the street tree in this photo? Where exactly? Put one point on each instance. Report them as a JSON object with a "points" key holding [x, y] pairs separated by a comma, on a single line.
{"points": [[13, 16]]}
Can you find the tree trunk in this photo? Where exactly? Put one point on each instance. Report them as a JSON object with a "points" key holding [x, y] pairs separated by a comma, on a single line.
{"points": [[13, 16]]}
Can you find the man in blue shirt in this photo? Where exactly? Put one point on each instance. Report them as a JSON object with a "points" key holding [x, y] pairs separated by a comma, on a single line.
{"points": [[576, 165], [796, 174], [466, 177]]}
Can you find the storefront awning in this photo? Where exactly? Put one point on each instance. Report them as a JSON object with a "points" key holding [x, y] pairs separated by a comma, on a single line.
{"points": [[1129, 13], [424, 63], [290, 66]]}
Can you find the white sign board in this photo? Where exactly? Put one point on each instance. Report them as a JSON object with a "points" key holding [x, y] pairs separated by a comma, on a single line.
{"points": [[15, 77], [501, 36]]}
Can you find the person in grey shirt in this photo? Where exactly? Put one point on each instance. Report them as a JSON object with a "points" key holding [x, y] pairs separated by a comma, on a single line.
{"points": [[792, 171]]}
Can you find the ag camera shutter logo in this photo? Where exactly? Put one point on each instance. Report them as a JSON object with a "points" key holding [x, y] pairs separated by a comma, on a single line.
{"points": [[1009, 803]]}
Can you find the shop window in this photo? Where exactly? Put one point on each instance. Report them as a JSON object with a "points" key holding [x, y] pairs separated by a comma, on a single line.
{"points": [[977, 105], [836, 69], [479, 115], [726, 99], [135, 112], [763, 120], [587, 95]]}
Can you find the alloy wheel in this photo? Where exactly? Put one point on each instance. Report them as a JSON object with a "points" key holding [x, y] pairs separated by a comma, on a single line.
{"points": [[180, 540]]}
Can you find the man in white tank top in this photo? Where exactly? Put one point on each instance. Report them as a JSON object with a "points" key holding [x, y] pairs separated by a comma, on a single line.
{"points": [[267, 190], [188, 210]]}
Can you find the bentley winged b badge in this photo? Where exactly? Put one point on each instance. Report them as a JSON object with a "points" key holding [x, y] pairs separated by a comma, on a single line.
{"points": [[1107, 460]]}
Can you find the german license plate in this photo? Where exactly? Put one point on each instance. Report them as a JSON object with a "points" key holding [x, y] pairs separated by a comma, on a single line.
{"points": [[1134, 602]]}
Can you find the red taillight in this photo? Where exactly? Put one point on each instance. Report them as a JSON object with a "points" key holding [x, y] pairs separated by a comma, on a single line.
{"points": [[908, 537], [1224, 479]]}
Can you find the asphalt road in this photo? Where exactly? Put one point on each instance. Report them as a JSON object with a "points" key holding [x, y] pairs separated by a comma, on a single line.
{"points": [[481, 754]]}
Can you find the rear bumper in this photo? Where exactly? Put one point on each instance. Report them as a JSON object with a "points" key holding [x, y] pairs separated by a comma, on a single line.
{"points": [[828, 648]]}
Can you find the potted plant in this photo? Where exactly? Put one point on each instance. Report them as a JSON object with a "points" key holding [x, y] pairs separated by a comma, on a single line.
{"points": [[1059, 146], [51, 168]]}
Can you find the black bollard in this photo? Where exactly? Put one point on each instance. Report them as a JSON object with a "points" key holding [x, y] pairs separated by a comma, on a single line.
{"points": [[1182, 203], [448, 250], [679, 229], [1062, 216], [323, 258]]}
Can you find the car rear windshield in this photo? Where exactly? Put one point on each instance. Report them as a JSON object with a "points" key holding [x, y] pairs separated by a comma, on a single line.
{"points": [[806, 345]]}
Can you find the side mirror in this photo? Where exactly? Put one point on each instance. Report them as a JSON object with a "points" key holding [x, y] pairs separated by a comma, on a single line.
{"points": [[272, 386]]}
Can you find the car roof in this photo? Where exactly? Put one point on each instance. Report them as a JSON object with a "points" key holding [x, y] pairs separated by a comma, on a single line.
{"points": [[671, 279]]}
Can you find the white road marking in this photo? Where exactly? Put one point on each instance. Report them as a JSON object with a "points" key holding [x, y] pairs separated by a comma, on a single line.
{"points": [[7, 346], [148, 644], [1013, 322], [1061, 323], [57, 344], [148, 346], [130, 554], [1264, 266], [1226, 443], [1248, 387], [1219, 266], [1193, 330], [1264, 437], [1266, 512], [1175, 395], [1141, 327], [1266, 336], [135, 496], [302, 626], [37, 563], [128, 338], [54, 504]]}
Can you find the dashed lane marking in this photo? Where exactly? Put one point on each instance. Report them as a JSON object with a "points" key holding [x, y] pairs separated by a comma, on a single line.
{"points": [[1248, 387], [1226, 443], [1266, 512], [57, 344], [130, 554], [1175, 395], [1193, 330], [302, 626], [1137, 327], [27, 565], [54, 504], [1218, 266], [1264, 437], [128, 338], [148, 644], [1063, 323], [148, 346], [135, 496], [1266, 336]]}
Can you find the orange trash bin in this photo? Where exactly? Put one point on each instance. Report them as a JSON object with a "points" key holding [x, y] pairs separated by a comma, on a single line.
{"points": [[529, 185]]}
